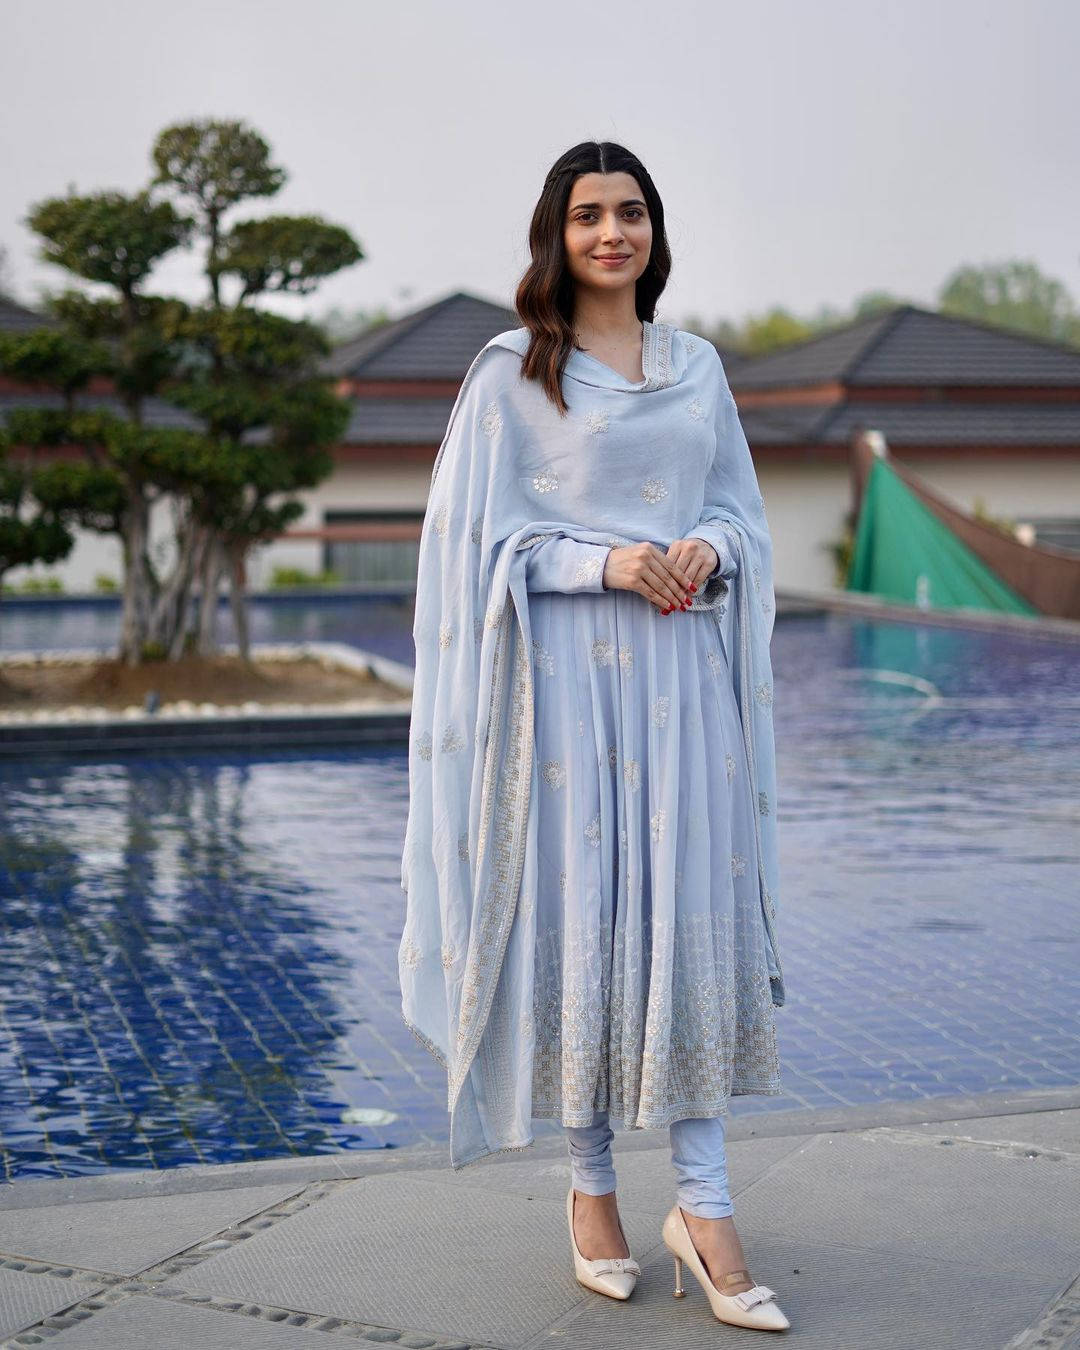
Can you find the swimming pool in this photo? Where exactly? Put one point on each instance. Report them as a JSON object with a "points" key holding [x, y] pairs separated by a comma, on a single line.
{"points": [[199, 954]]}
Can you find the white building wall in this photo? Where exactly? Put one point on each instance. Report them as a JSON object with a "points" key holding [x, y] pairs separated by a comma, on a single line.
{"points": [[804, 503]]}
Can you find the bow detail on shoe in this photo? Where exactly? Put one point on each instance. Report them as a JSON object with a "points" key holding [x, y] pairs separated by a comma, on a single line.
{"points": [[612, 1265], [750, 1298]]}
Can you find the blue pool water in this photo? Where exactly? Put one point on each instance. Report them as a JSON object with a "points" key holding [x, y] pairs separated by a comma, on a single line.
{"points": [[198, 960]]}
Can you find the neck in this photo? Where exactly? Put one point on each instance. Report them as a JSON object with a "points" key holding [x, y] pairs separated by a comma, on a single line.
{"points": [[606, 315]]}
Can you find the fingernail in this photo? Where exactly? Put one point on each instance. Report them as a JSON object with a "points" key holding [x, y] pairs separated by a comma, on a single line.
{"points": [[693, 587]]}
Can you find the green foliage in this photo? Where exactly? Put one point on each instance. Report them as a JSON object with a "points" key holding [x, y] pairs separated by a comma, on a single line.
{"points": [[109, 237], [283, 577], [38, 586], [219, 163], [842, 550], [1016, 295], [1003, 523], [31, 531], [286, 253], [105, 584], [51, 357]]}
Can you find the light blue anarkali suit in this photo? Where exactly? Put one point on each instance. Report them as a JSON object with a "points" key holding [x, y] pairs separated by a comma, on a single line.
{"points": [[590, 857]]}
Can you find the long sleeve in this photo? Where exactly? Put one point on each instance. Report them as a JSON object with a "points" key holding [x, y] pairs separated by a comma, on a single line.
{"points": [[563, 564]]}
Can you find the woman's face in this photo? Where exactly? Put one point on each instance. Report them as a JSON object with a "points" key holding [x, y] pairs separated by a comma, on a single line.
{"points": [[607, 233]]}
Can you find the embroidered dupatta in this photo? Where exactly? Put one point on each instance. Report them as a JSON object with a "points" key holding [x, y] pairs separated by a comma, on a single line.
{"points": [[509, 474]]}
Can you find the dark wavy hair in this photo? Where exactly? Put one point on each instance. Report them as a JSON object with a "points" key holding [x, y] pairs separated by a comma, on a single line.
{"points": [[545, 295]]}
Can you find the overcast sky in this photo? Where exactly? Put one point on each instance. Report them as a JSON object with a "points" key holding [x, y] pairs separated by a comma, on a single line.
{"points": [[805, 152]]}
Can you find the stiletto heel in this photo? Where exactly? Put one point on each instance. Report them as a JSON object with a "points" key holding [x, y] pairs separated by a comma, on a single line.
{"points": [[615, 1276], [680, 1292], [756, 1307]]}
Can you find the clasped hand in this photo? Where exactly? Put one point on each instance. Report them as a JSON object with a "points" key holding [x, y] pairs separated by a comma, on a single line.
{"points": [[667, 579]]}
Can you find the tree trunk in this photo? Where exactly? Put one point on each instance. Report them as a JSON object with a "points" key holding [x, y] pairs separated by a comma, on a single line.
{"points": [[136, 604], [208, 603], [170, 614], [238, 596]]}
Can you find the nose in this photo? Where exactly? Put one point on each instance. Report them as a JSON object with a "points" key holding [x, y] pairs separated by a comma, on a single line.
{"points": [[612, 233]]}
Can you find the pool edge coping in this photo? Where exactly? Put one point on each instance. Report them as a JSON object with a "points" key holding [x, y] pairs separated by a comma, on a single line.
{"points": [[354, 1164]]}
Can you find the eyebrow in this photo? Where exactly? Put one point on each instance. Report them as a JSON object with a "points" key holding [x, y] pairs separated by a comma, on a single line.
{"points": [[630, 201]]}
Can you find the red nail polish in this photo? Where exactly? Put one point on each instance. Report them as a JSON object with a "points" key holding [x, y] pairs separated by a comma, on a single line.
{"points": [[693, 587]]}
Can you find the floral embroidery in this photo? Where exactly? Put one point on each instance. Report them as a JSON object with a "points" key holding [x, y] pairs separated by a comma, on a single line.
{"points": [[690, 344], [613, 759], [588, 569], [463, 847], [581, 726], [632, 773], [660, 710], [554, 774], [409, 954], [716, 662], [477, 532], [596, 421], [763, 694], [441, 520], [694, 408], [592, 831], [656, 824], [543, 657], [626, 659], [494, 614], [491, 422], [562, 882], [452, 741], [447, 957], [761, 504], [729, 760], [446, 635], [763, 803], [654, 490], [423, 745], [603, 652], [738, 865], [704, 1032], [546, 481], [478, 629]]}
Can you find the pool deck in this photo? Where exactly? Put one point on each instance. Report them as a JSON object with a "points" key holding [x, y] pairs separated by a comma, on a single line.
{"points": [[946, 1222]]}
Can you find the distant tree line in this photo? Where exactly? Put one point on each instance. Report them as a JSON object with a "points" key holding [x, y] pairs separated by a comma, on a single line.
{"points": [[1015, 295]]}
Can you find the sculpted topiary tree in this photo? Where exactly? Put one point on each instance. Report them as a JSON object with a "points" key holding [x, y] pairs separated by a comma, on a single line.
{"points": [[261, 417]]}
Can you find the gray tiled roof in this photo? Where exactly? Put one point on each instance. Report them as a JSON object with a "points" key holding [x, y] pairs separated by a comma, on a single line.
{"points": [[913, 346], [437, 342], [1027, 424], [156, 412], [16, 318], [399, 421]]}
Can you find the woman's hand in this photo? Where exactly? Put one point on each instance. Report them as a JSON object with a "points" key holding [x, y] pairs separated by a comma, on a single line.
{"points": [[666, 580]]}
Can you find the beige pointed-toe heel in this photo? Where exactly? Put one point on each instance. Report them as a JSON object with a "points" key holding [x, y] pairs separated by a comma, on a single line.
{"points": [[756, 1307], [615, 1276]]}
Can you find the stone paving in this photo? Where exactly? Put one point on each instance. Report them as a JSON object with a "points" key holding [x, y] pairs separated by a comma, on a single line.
{"points": [[951, 1224]]}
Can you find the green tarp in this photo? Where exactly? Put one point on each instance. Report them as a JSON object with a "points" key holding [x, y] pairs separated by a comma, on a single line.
{"points": [[903, 552]]}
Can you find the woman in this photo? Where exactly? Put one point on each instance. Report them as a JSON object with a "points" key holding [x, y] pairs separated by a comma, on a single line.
{"points": [[590, 855]]}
